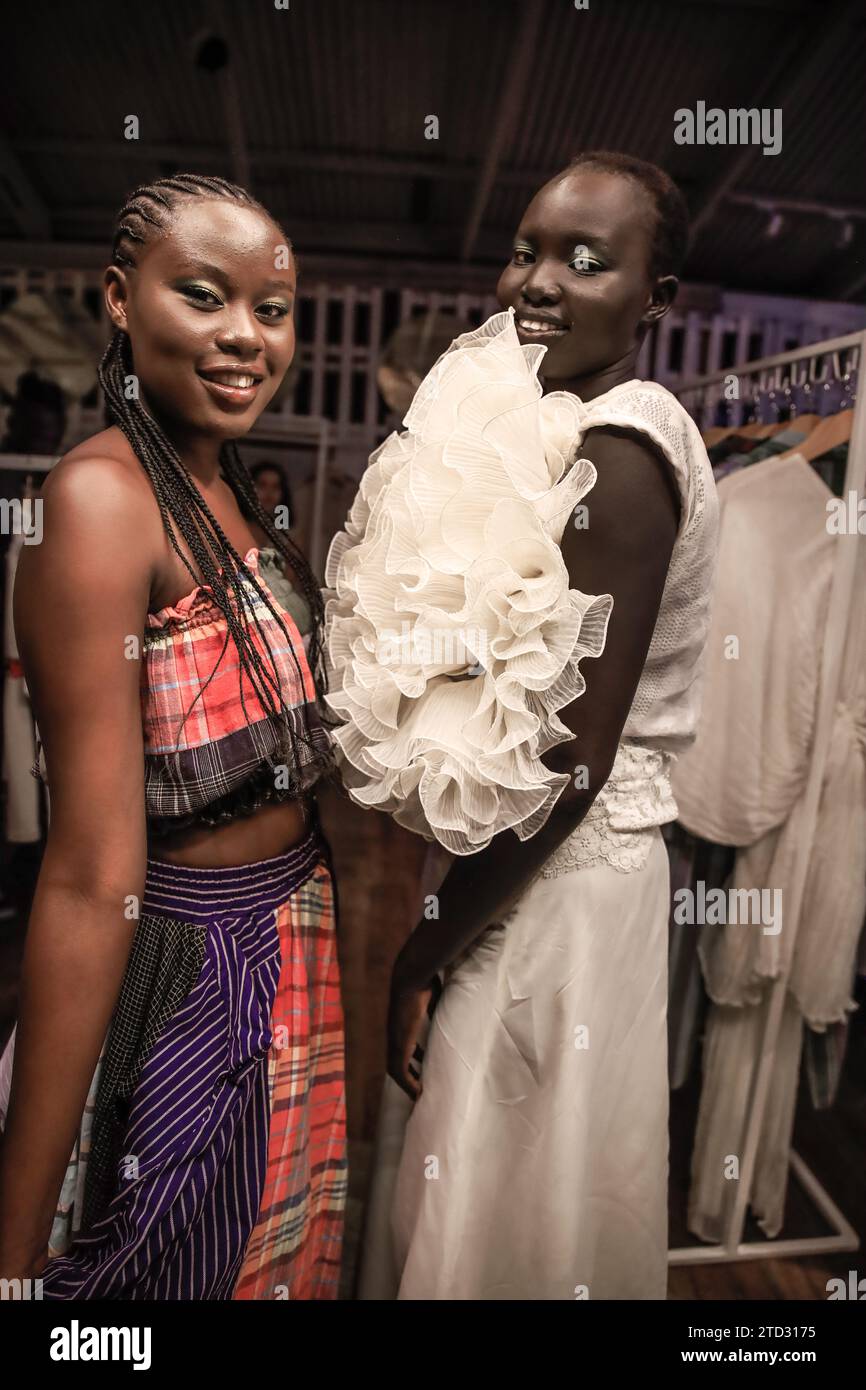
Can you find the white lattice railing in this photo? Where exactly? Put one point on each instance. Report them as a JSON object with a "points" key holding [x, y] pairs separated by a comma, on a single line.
{"points": [[342, 331]]}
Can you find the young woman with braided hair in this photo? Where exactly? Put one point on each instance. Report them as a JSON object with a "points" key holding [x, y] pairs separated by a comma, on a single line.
{"points": [[180, 982]]}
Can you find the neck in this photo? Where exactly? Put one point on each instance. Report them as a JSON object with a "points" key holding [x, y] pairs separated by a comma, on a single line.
{"points": [[588, 385], [200, 453]]}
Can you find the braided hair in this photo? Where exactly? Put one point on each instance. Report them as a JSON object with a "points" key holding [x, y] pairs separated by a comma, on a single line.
{"points": [[146, 215]]}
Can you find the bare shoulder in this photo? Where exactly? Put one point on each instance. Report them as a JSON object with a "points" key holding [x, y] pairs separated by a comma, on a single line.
{"points": [[98, 510], [104, 459], [625, 541], [631, 469]]}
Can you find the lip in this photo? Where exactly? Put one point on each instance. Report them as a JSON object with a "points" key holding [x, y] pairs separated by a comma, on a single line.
{"points": [[553, 328], [231, 394]]}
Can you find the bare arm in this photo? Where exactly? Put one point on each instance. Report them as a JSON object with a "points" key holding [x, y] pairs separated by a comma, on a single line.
{"points": [[79, 595], [624, 551]]}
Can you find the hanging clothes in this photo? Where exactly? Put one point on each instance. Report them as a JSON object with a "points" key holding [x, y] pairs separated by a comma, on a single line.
{"points": [[692, 860], [764, 704]]}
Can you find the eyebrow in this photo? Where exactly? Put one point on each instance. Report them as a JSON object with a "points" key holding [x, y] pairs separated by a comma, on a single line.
{"points": [[576, 239], [215, 273]]}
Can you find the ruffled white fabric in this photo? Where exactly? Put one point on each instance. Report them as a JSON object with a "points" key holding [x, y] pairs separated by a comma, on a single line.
{"points": [[452, 636]]}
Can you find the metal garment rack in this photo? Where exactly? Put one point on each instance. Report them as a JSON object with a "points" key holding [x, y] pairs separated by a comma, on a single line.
{"points": [[770, 373]]}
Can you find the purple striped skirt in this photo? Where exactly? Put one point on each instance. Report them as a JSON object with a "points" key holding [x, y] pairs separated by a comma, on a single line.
{"points": [[224, 1054]]}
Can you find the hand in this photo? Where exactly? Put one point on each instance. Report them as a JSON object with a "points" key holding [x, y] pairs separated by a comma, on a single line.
{"points": [[408, 1010]]}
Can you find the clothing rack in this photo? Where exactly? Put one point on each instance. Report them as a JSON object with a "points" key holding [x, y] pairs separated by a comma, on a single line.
{"points": [[704, 394]]}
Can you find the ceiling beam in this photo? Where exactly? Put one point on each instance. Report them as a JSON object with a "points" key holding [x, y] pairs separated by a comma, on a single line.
{"points": [[29, 212], [806, 55], [511, 101], [314, 161], [766, 202]]}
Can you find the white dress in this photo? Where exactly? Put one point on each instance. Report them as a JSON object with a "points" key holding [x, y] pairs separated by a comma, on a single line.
{"points": [[535, 1164]]}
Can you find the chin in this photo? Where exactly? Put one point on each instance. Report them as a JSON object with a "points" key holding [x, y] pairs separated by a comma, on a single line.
{"points": [[555, 368], [232, 425], [234, 429]]}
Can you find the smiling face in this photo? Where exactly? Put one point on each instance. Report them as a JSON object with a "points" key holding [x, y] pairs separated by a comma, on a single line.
{"points": [[579, 278], [209, 316]]}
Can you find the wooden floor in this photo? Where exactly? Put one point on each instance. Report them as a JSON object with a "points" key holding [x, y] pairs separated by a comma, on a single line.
{"points": [[379, 870]]}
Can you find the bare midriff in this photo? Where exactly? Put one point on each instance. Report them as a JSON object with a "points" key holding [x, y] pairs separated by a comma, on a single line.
{"points": [[271, 830]]}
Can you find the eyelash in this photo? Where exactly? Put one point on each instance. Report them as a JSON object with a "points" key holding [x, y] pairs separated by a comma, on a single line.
{"points": [[523, 251], [197, 293]]}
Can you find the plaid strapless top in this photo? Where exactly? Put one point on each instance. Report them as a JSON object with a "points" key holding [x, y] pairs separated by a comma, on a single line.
{"points": [[230, 755]]}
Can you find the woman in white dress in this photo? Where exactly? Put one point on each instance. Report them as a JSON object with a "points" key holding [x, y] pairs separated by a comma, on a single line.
{"points": [[523, 1142]]}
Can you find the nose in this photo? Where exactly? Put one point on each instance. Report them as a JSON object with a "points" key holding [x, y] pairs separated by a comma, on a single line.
{"points": [[240, 333], [541, 285]]}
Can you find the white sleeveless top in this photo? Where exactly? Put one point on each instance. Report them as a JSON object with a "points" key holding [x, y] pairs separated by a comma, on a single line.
{"points": [[664, 712], [452, 635]]}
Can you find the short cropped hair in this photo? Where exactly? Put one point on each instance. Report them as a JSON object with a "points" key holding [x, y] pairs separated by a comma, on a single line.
{"points": [[671, 238]]}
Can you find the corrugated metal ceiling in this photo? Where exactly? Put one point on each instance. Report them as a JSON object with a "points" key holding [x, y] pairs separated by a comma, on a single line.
{"points": [[348, 83]]}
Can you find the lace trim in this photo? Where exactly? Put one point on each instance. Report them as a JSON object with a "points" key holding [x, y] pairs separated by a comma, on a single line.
{"points": [[619, 828], [596, 842]]}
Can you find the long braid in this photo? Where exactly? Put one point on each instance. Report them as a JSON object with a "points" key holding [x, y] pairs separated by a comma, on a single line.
{"points": [[238, 478], [146, 214]]}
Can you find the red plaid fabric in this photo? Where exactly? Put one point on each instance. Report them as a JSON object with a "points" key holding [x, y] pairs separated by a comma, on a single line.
{"points": [[228, 734], [296, 1246]]}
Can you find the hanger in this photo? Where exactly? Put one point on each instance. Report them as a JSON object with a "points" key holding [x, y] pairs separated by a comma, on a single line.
{"points": [[767, 431], [828, 434], [715, 434], [806, 423]]}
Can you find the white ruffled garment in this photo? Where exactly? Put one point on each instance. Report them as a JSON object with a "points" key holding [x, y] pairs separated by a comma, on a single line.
{"points": [[452, 635], [550, 1157]]}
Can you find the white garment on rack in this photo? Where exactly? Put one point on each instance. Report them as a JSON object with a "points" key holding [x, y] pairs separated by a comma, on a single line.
{"points": [[22, 824], [750, 759], [731, 1045], [763, 706]]}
